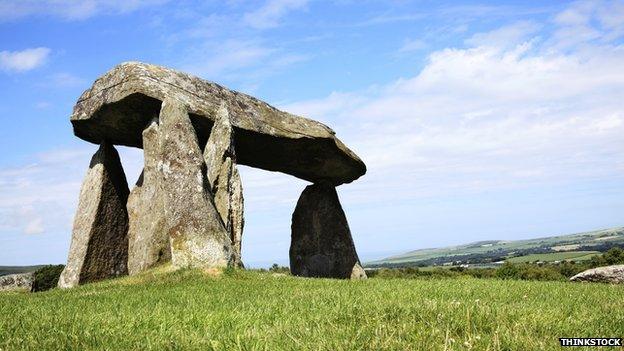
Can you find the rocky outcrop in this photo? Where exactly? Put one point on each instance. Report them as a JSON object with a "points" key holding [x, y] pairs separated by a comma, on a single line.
{"points": [[608, 274], [17, 282], [125, 99], [321, 243], [99, 245], [197, 235], [148, 242], [224, 179]]}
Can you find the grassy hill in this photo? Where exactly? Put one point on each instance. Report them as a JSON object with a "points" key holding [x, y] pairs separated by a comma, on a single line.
{"points": [[579, 246], [4, 270], [242, 310]]}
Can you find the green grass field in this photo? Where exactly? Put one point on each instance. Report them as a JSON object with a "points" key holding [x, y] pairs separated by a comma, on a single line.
{"points": [[240, 310], [555, 256]]}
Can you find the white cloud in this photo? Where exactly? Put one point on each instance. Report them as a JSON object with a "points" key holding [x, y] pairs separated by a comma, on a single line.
{"points": [[585, 21], [69, 9], [269, 15], [486, 117], [25, 60]]}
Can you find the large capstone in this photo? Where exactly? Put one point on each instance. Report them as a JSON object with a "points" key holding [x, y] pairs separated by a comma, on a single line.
{"points": [[99, 245], [224, 179], [321, 243], [121, 102], [148, 241], [196, 231]]}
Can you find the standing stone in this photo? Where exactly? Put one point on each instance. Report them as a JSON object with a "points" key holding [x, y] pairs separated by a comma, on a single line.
{"points": [[148, 242], [237, 220], [197, 235], [99, 246], [224, 179], [321, 243]]}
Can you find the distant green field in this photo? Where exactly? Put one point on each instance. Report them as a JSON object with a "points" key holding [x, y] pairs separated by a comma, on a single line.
{"points": [[4, 270], [500, 248], [555, 256], [190, 310]]}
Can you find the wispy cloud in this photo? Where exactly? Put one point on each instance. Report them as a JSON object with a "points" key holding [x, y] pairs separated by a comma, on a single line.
{"points": [[270, 14], [65, 80], [489, 116], [25, 60], [69, 9], [40, 197], [585, 21], [411, 45], [248, 60], [506, 36]]}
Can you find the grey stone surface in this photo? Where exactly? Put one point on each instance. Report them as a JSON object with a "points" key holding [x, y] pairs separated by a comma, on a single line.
{"points": [[17, 282], [237, 220], [321, 243], [197, 234], [125, 99], [224, 179], [608, 274], [220, 145], [148, 242], [99, 245]]}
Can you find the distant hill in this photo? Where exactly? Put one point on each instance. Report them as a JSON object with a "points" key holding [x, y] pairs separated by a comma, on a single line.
{"points": [[579, 246], [4, 270]]}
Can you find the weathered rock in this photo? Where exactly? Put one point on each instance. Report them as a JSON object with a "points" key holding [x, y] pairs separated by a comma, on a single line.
{"points": [[224, 179], [220, 145], [124, 100], [608, 274], [148, 242], [17, 282], [197, 235], [237, 220], [99, 246], [321, 243]]}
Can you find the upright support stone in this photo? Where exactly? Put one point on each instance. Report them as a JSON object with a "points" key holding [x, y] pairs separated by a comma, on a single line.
{"points": [[321, 243], [148, 241], [99, 246], [224, 179], [237, 219], [197, 235]]}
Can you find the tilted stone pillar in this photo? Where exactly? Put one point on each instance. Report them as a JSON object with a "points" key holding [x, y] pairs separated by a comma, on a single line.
{"points": [[224, 180], [197, 235], [321, 243], [148, 241], [99, 245]]}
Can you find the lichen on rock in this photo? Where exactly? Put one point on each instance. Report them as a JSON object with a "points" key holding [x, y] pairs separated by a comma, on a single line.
{"points": [[148, 241], [195, 229], [224, 179], [99, 245]]}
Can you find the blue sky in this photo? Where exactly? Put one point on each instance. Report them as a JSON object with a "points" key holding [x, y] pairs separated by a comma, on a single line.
{"points": [[477, 120]]}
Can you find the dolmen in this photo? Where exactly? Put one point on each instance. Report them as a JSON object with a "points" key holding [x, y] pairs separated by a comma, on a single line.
{"points": [[186, 208]]}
